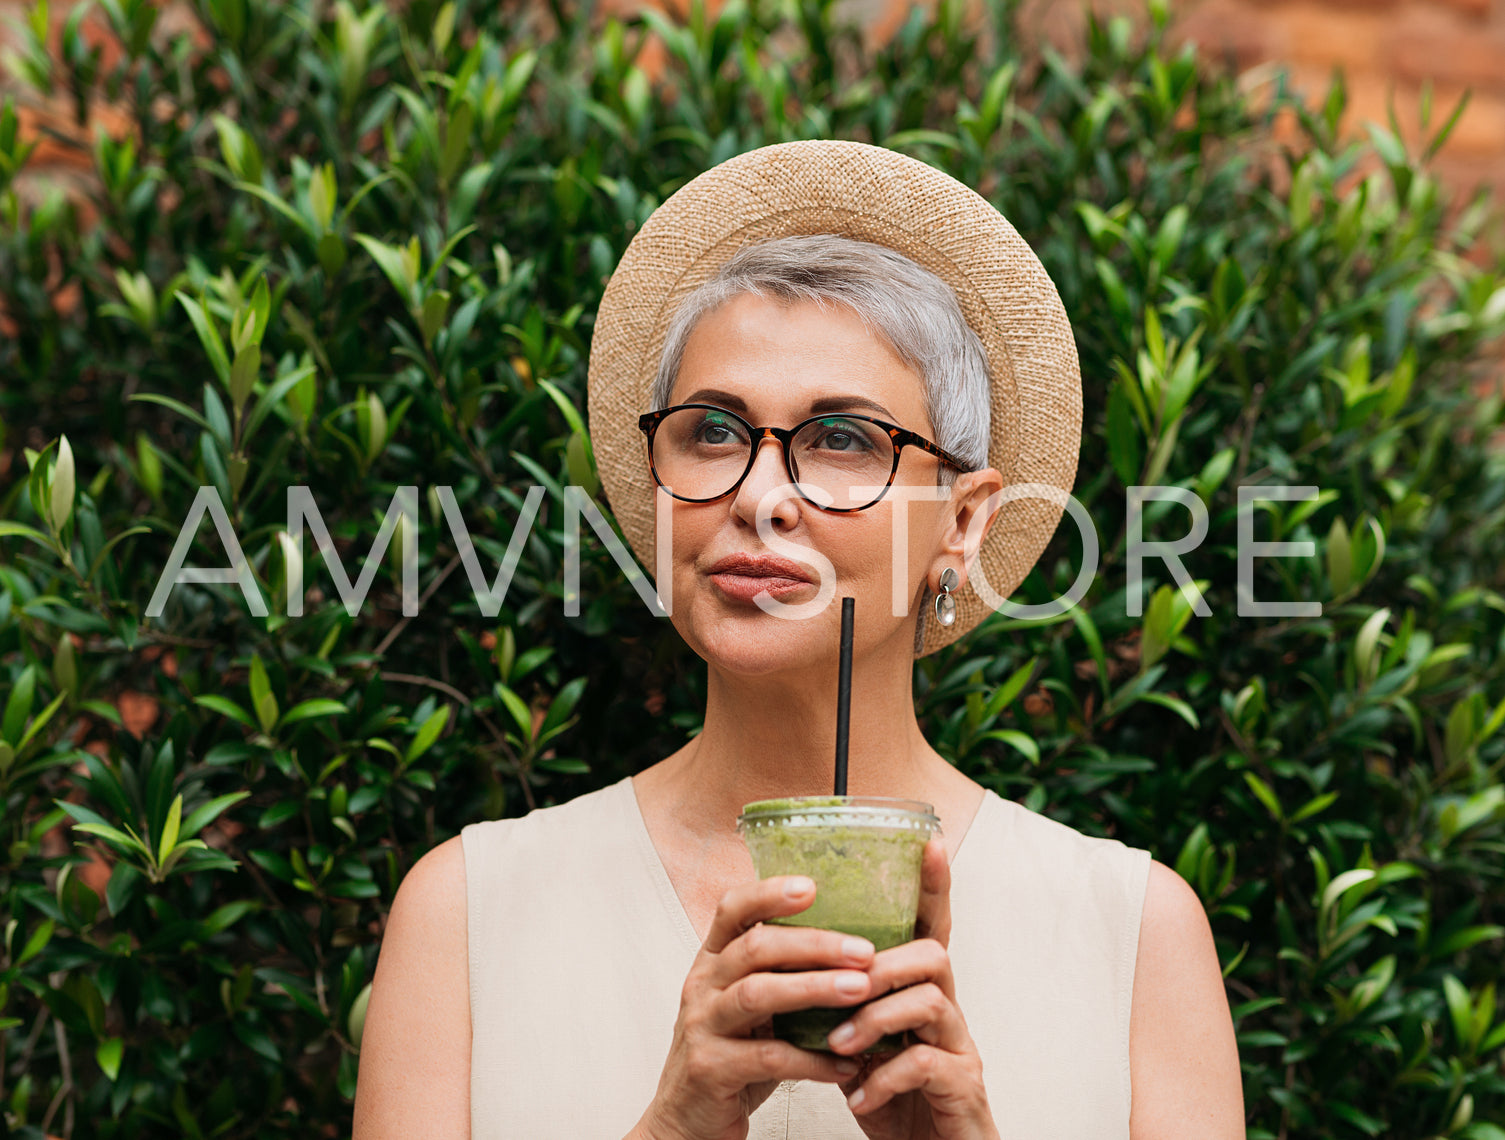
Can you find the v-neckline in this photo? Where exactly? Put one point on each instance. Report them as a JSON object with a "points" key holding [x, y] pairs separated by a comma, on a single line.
{"points": [[664, 885]]}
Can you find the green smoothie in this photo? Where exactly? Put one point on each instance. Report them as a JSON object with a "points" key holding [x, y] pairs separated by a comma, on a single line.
{"points": [[864, 854]]}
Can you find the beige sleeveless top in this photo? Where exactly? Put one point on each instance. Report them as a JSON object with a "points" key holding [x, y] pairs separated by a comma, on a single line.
{"points": [[579, 948]]}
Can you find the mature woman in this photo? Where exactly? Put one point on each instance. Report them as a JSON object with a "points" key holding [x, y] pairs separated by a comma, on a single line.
{"points": [[825, 361]]}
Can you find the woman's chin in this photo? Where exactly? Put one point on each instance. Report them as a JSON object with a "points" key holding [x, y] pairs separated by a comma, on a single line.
{"points": [[748, 642]]}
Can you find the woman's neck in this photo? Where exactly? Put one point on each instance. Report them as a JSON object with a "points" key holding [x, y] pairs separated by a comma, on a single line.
{"points": [[767, 737]]}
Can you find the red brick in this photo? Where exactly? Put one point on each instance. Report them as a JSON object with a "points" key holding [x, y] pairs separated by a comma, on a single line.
{"points": [[1464, 175], [61, 141], [1228, 29], [1477, 8], [1469, 56], [1061, 23], [1480, 132], [1317, 33]]}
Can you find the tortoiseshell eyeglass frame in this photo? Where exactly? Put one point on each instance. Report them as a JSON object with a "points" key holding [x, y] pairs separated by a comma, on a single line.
{"points": [[649, 422]]}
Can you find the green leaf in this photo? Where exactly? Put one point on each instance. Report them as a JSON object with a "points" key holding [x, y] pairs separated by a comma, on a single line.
{"points": [[1340, 886], [108, 1056], [563, 705], [391, 261], [243, 375], [17, 530], [123, 881], [226, 916], [568, 410], [1088, 630], [240, 152], [1017, 740], [308, 710], [431, 319], [355, 1022], [579, 466], [207, 813], [1176, 705], [444, 26], [1007, 692], [1168, 238], [279, 205], [1460, 1007], [1125, 446], [1265, 795], [331, 253], [1366, 644], [1314, 805], [62, 490], [262, 699], [169, 837], [39, 722], [37, 942], [225, 707], [428, 732], [1339, 557], [209, 337], [18, 706], [273, 395], [456, 141], [521, 714], [181, 408], [1360, 1120], [1165, 617], [1193, 851], [372, 421], [323, 192], [922, 137]]}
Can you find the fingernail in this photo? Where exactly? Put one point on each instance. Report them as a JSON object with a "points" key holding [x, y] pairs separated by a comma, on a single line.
{"points": [[797, 886], [842, 1033], [856, 1099], [847, 1068], [856, 948], [851, 984]]}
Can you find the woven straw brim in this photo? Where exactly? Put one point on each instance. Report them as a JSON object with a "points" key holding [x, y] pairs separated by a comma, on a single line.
{"points": [[875, 195]]}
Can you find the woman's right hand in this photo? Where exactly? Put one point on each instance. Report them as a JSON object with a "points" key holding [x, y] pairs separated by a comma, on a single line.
{"points": [[724, 1062]]}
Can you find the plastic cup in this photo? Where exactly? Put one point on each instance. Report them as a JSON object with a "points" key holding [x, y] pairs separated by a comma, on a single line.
{"points": [[864, 854]]}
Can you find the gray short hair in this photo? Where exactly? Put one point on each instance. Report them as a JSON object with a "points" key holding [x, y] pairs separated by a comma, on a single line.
{"points": [[914, 310]]}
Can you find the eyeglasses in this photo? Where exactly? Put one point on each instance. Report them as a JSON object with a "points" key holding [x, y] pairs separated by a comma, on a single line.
{"points": [[700, 453]]}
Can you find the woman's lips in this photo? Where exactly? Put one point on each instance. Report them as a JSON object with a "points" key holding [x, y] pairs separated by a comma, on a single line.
{"points": [[746, 587], [745, 576]]}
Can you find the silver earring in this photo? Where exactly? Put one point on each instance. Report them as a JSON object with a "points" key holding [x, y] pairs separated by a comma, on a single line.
{"points": [[945, 604]]}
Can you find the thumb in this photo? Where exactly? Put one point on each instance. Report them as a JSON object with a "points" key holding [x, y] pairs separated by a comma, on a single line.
{"points": [[933, 919]]}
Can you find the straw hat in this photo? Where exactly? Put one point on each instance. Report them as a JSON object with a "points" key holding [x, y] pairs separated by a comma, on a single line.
{"points": [[880, 196]]}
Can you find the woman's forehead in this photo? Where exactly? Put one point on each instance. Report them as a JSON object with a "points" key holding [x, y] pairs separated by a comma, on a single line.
{"points": [[762, 357]]}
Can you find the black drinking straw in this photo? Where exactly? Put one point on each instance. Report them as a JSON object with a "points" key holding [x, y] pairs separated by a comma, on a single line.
{"points": [[844, 694]]}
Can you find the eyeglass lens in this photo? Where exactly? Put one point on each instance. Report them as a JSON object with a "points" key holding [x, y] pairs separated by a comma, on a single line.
{"points": [[700, 453]]}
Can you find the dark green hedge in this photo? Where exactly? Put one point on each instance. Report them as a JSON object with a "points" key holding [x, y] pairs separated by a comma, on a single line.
{"points": [[360, 248]]}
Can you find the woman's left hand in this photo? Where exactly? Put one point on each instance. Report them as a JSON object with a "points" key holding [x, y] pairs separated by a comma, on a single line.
{"points": [[933, 1090]]}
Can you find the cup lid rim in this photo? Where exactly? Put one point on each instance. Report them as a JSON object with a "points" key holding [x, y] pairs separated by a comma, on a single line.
{"points": [[822, 806]]}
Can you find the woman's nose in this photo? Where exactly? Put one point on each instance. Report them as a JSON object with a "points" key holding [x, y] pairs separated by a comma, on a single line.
{"points": [[768, 480]]}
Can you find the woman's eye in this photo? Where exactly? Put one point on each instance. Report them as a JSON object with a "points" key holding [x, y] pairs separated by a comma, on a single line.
{"points": [[715, 432], [837, 435]]}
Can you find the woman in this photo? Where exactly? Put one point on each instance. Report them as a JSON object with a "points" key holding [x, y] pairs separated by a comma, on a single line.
{"points": [[800, 323]]}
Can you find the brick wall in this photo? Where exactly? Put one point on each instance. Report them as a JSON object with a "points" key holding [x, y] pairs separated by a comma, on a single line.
{"points": [[64, 154], [1386, 48]]}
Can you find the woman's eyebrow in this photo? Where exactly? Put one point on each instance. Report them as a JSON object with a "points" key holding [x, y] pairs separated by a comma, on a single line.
{"points": [[844, 403], [817, 407], [716, 396]]}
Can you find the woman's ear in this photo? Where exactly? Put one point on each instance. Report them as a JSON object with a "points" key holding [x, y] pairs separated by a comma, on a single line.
{"points": [[973, 506]]}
